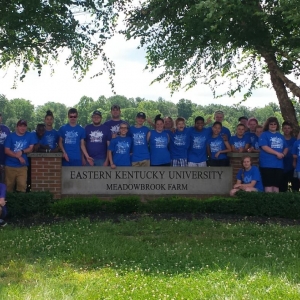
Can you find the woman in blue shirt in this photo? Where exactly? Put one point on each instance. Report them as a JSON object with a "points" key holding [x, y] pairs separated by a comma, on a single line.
{"points": [[273, 149], [159, 140]]}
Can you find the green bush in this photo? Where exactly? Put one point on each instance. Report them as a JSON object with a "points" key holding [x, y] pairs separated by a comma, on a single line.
{"points": [[77, 206], [28, 204]]}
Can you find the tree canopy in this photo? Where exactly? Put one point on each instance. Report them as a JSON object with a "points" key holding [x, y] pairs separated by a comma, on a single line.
{"points": [[34, 33], [209, 40]]}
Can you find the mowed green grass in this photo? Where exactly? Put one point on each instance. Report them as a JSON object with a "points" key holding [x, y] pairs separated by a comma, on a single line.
{"points": [[149, 259]]}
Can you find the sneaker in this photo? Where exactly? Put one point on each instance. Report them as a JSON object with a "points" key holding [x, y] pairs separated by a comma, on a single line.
{"points": [[2, 223]]}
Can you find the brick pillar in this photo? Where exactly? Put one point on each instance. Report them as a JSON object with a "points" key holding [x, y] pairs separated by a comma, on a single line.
{"points": [[235, 162], [46, 173]]}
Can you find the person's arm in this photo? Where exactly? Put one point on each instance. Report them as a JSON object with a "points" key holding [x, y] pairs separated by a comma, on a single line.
{"points": [[110, 158], [106, 162], [295, 157], [269, 150], [238, 184], [60, 144], [83, 149], [148, 136]]}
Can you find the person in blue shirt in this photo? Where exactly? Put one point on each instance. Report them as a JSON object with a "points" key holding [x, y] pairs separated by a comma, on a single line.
{"points": [[219, 117], [254, 147], [218, 147], [17, 145], [159, 140], [240, 142], [71, 141], [179, 143], [288, 168], [51, 136], [273, 149], [197, 152], [114, 123], [140, 151], [252, 123], [119, 148], [248, 178]]}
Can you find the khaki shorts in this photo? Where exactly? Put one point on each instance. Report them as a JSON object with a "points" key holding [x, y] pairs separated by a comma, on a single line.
{"points": [[142, 163], [16, 178]]}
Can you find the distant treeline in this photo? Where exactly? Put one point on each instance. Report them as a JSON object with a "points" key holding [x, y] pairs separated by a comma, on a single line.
{"points": [[15, 109]]}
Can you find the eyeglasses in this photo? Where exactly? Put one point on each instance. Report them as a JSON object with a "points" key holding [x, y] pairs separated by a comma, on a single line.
{"points": [[123, 128], [72, 117]]}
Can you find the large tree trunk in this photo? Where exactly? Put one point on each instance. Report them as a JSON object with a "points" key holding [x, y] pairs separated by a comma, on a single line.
{"points": [[286, 106]]}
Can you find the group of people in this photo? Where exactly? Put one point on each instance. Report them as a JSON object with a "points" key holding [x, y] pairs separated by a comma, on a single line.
{"points": [[166, 143]]}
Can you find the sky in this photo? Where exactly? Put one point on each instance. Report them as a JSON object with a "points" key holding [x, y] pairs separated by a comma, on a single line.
{"points": [[131, 81]]}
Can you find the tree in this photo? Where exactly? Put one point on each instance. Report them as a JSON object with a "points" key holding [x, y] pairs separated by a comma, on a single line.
{"points": [[85, 108], [185, 108], [33, 33], [209, 40]]}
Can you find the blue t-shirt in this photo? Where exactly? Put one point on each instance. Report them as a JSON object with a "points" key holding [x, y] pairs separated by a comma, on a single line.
{"points": [[197, 152], [96, 140], [275, 141], [224, 130], [254, 143], [72, 136], [50, 138], [251, 135], [296, 151], [216, 144], [140, 150], [4, 132], [239, 142], [250, 175], [288, 159], [120, 148], [179, 143], [159, 152], [114, 126], [17, 143]]}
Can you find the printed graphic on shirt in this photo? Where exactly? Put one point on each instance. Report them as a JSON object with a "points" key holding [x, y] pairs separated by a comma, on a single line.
{"points": [[115, 129], [71, 137], [276, 143], [199, 142], [216, 146], [122, 147], [50, 139], [161, 142], [239, 144], [3, 136], [20, 145], [248, 179], [298, 150], [179, 140], [139, 138], [96, 136]]}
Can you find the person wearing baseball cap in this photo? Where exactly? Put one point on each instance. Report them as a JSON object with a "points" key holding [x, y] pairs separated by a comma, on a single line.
{"points": [[4, 133], [17, 145], [138, 132], [97, 139], [114, 123]]}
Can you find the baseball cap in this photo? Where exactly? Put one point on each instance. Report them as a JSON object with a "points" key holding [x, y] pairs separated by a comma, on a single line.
{"points": [[141, 115], [22, 123], [115, 106], [97, 112]]}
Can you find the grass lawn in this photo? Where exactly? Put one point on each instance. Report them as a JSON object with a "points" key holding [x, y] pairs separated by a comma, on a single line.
{"points": [[149, 259]]}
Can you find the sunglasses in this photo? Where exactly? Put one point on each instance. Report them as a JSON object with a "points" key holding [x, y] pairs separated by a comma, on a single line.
{"points": [[123, 128], [72, 117], [273, 124]]}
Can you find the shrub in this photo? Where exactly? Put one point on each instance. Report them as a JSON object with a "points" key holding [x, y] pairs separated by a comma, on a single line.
{"points": [[28, 204], [77, 206]]}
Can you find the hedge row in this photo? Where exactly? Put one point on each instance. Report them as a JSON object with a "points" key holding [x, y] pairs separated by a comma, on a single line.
{"points": [[283, 205]]}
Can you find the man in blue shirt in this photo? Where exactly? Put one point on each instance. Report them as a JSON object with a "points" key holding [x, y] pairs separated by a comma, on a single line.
{"points": [[71, 141], [17, 145]]}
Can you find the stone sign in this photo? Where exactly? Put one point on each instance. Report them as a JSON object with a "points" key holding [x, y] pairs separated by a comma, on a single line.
{"points": [[146, 180]]}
